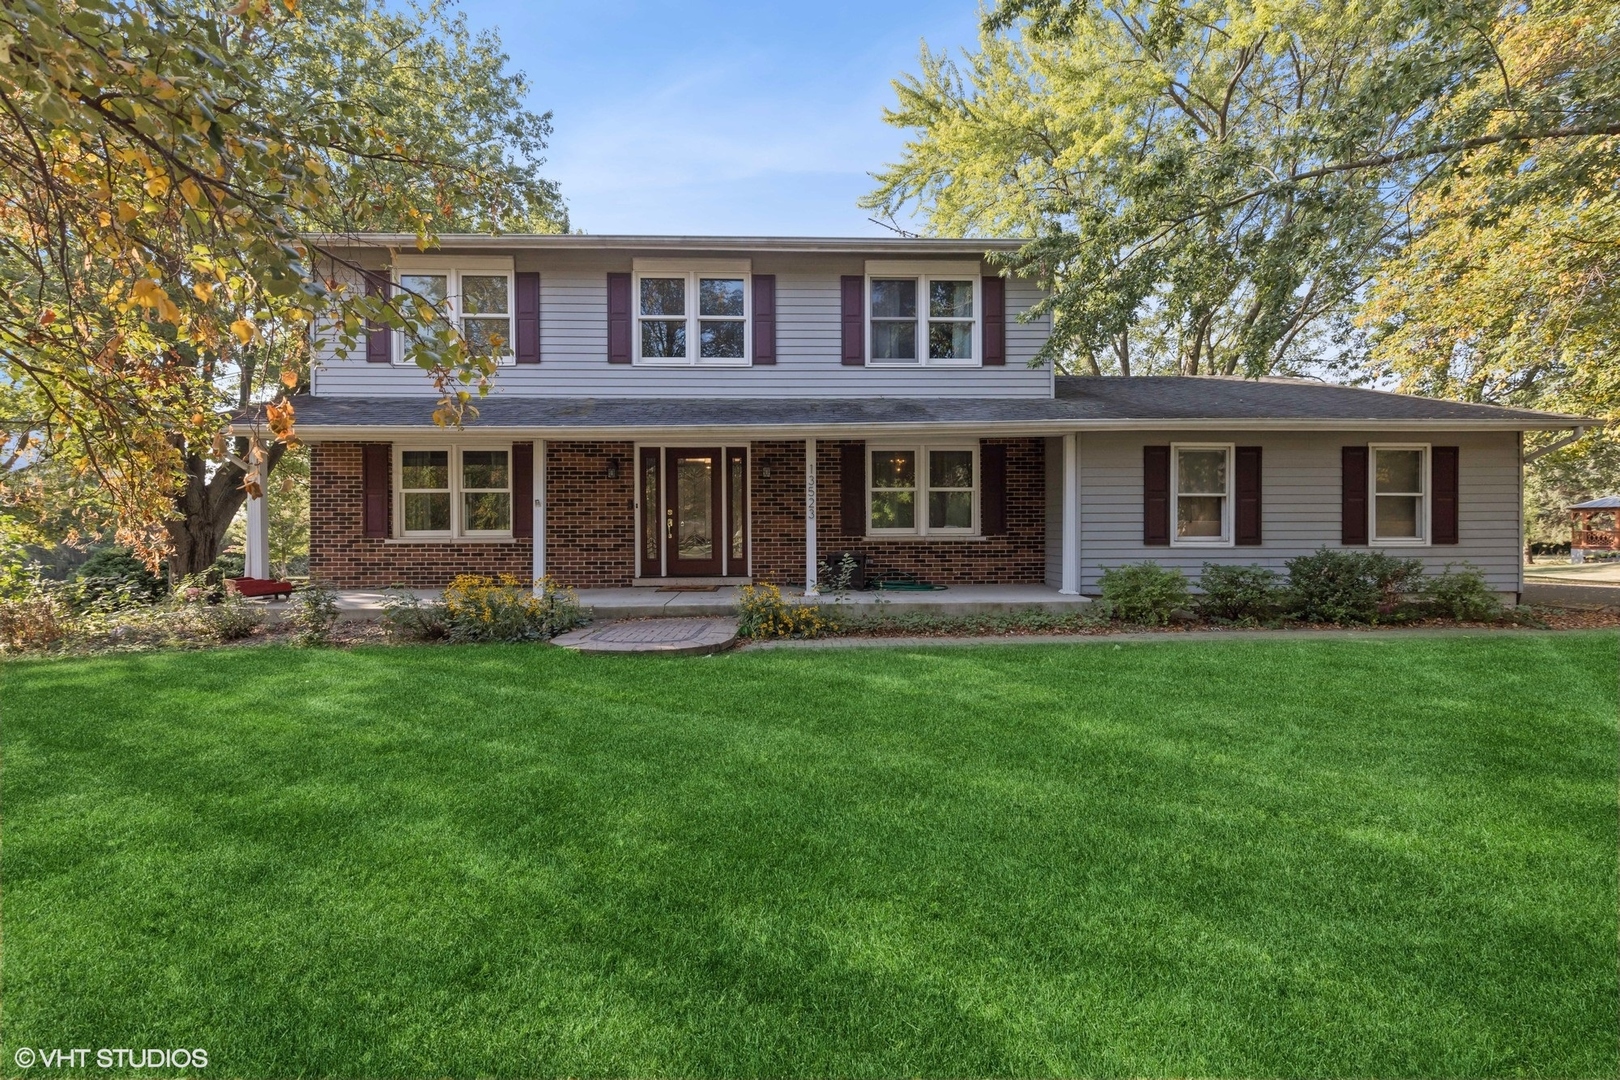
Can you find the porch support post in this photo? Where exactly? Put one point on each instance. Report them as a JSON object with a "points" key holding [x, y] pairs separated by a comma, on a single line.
{"points": [[810, 518], [1071, 515], [539, 518], [256, 561]]}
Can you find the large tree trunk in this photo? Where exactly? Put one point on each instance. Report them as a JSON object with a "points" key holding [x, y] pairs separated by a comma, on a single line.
{"points": [[204, 510]]}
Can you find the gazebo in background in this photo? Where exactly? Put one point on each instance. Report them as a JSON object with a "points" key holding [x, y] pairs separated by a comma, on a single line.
{"points": [[1592, 527]]}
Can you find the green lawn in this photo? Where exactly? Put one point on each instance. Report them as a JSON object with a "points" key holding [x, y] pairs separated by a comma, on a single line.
{"points": [[1263, 857]]}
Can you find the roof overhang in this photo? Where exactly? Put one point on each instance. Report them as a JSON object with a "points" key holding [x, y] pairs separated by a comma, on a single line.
{"points": [[841, 245]]}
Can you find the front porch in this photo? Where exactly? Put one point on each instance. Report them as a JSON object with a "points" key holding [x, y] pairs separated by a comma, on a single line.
{"points": [[641, 602]]}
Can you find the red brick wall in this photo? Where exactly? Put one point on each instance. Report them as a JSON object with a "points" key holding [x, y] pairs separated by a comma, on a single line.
{"points": [[590, 518], [341, 553], [591, 527], [1018, 558]]}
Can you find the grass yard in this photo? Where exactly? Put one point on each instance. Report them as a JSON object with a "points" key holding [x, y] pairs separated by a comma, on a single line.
{"points": [[1238, 858]]}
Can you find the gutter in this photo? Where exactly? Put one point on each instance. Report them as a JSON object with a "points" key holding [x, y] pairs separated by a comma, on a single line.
{"points": [[589, 242]]}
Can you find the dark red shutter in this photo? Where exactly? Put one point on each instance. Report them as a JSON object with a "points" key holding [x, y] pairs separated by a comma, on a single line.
{"points": [[527, 345], [993, 489], [375, 467], [852, 299], [522, 490], [1443, 476], [1353, 496], [1247, 525], [764, 318], [1156, 496], [852, 488], [618, 311], [379, 338], [994, 292]]}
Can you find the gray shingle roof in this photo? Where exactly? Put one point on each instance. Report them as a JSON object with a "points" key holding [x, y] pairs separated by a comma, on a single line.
{"points": [[1606, 502], [1081, 402]]}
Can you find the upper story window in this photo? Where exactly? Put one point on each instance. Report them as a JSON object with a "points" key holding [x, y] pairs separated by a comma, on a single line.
{"points": [[474, 295], [692, 311], [922, 313], [1400, 485]]}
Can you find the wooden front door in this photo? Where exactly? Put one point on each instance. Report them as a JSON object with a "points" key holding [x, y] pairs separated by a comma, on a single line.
{"points": [[693, 512]]}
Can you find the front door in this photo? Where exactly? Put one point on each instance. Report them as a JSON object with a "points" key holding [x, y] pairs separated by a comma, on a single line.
{"points": [[693, 536]]}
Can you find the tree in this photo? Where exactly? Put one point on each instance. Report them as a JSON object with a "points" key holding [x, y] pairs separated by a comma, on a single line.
{"points": [[1509, 289], [1206, 186], [163, 168]]}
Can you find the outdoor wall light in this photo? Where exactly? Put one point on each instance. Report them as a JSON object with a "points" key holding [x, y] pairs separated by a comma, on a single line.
{"points": [[613, 469]]}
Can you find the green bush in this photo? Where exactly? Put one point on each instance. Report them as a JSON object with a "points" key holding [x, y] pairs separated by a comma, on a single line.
{"points": [[1461, 594], [1143, 592], [1238, 593], [406, 617], [1350, 586], [231, 618], [113, 575], [314, 611]]}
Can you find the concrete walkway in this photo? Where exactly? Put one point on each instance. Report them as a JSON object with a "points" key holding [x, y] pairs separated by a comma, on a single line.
{"points": [[666, 637]]}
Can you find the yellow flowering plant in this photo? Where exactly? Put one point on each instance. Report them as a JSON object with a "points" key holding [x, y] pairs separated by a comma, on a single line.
{"points": [[507, 607], [762, 613]]}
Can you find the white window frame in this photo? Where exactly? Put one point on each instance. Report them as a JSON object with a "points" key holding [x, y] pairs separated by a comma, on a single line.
{"points": [[693, 270], [1227, 537], [1424, 524], [457, 530], [922, 488], [923, 273], [453, 267]]}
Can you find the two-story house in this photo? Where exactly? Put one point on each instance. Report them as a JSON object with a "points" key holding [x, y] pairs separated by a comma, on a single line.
{"points": [[738, 409]]}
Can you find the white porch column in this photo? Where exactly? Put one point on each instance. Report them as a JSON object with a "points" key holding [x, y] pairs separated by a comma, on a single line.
{"points": [[256, 563], [810, 518], [1071, 515], [539, 529]]}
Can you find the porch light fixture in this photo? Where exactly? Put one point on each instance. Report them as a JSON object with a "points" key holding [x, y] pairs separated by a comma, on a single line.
{"points": [[613, 469]]}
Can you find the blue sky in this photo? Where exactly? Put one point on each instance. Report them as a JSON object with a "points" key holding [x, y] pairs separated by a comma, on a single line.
{"points": [[720, 118]]}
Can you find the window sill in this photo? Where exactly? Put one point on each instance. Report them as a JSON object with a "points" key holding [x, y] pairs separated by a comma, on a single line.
{"points": [[1377, 542], [449, 540], [1202, 544], [742, 363], [918, 364]]}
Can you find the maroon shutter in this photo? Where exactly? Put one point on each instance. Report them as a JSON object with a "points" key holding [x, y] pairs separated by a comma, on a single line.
{"points": [[852, 294], [1156, 496], [994, 291], [1353, 496], [527, 345], [993, 489], [618, 288], [852, 487], [1247, 525], [522, 489], [374, 470], [1443, 476], [764, 319], [379, 338]]}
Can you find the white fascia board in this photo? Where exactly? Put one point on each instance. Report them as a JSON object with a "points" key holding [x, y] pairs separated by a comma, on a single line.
{"points": [[926, 246]]}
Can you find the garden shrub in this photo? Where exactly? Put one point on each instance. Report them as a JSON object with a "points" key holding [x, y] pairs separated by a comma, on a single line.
{"points": [[114, 574], [1143, 592], [1461, 594], [231, 618], [314, 611], [406, 617], [34, 621], [762, 613], [1350, 586], [508, 608], [1238, 593]]}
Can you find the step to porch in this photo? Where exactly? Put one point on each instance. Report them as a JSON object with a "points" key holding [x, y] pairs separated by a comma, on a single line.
{"points": [[667, 637]]}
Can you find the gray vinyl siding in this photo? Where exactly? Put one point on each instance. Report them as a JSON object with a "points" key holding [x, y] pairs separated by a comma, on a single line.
{"points": [[1054, 512], [573, 345], [1300, 502]]}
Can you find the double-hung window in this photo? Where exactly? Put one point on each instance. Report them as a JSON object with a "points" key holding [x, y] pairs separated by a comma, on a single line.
{"points": [[455, 491], [922, 313], [1201, 478], [922, 490], [471, 295], [1400, 488], [692, 311]]}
